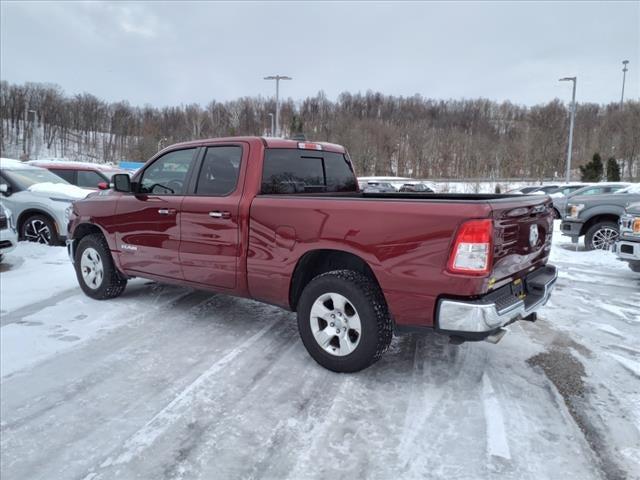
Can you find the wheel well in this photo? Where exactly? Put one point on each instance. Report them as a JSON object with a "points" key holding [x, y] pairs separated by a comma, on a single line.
{"points": [[85, 229], [609, 217], [32, 211], [317, 262]]}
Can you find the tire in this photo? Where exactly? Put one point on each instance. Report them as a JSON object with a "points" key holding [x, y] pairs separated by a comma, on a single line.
{"points": [[358, 302], [556, 214], [634, 266], [601, 236], [95, 270], [39, 228]]}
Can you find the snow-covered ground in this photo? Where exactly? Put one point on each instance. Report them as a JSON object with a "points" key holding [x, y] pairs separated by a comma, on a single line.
{"points": [[167, 382]]}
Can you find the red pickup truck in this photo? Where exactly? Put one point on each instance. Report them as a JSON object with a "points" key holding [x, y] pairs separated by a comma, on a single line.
{"points": [[283, 222]]}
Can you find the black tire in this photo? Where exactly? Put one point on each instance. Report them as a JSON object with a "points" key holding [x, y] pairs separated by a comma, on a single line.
{"points": [[591, 239], [368, 304], [634, 266], [39, 228], [556, 214], [112, 283]]}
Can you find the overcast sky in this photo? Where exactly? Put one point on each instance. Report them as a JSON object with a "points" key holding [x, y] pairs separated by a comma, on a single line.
{"points": [[168, 53]]}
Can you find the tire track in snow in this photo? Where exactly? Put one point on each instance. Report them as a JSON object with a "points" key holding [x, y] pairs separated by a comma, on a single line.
{"points": [[421, 404], [175, 410], [497, 444]]}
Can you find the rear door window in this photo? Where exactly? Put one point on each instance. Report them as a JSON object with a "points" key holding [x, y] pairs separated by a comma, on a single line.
{"points": [[305, 171]]}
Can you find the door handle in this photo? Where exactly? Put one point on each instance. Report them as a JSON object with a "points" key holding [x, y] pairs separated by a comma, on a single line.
{"points": [[167, 211], [217, 214]]}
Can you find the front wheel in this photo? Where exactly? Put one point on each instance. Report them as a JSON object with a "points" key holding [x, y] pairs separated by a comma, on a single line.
{"points": [[39, 229], [343, 321], [634, 266], [601, 236], [95, 270]]}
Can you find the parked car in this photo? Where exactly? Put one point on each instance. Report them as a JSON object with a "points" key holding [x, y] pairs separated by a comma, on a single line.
{"points": [[628, 245], [8, 234], [354, 267], [560, 201], [38, 200], [373, 186], [596, 216], [533, 189], [84, 175], [416, 187]]}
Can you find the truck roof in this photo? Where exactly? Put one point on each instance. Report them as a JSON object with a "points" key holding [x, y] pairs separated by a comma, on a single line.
{"points": [[268, 142]]}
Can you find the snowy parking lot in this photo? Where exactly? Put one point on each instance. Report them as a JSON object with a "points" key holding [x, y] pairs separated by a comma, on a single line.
{"points": [[168, 382]]}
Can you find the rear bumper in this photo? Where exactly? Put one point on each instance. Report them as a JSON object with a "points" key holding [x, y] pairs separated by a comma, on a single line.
{"points": [[477, 319], [627, 250]]}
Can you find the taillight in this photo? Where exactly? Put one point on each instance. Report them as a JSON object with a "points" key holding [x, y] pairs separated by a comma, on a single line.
{"points": [[472, 249]]}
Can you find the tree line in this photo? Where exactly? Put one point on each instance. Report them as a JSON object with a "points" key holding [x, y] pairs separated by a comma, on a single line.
{"points": [[385, 134]]}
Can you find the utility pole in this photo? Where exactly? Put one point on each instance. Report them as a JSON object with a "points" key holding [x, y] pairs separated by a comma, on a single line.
{"points": [[272, 133], [624, 76], [277, 78], [573, 117]]}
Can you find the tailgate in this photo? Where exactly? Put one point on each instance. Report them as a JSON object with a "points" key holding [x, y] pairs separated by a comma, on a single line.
{"points": [[523, 228]]}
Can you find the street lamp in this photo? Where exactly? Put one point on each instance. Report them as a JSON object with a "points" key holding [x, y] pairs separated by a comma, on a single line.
{"points": [[277, 78], [573, 117], [272, 128], [624, 76]]}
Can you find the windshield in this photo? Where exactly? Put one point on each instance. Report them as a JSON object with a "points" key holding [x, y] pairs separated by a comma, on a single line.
{"points": [[30, 176], [635, 188]]}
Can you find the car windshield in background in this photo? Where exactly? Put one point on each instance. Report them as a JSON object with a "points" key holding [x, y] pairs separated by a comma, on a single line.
{"points": [[635, 188], [30, 176], [306, 171]]}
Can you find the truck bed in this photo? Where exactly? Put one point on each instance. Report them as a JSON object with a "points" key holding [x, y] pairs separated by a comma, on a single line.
{"points": [[407, 247]]}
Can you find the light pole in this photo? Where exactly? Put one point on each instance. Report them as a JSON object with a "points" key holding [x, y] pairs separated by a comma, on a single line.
{"points": [[277, 78], [272, 128], [624, 76], [573, 117]]}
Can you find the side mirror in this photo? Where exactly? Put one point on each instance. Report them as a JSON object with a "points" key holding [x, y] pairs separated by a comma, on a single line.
{"points": [[103, 186], [121, 182], [5, 189]]}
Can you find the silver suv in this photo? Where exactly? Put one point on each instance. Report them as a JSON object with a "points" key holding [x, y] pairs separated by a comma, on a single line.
{"points": [[38, 200]]}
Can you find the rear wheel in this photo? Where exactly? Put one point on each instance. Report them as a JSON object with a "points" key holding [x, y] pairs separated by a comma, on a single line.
{"points": [[601, 236], [343, 321], [39, 229], [635, 266], [95, 270]]}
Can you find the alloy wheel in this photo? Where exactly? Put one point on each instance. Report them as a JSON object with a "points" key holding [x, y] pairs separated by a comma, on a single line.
{"points": [[37, 231], [335, 324], [604, 238], [91, 268]]}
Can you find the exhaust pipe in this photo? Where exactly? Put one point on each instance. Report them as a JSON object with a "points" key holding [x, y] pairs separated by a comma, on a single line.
{"points": [[496, 337]]}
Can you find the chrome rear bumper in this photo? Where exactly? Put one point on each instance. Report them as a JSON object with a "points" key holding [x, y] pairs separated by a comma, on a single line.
{"points": [[482, 317]]}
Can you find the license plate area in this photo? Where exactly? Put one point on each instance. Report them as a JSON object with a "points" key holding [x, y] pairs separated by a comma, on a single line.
{"points": [[517, 289]]}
